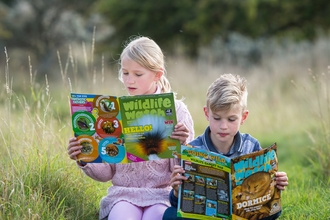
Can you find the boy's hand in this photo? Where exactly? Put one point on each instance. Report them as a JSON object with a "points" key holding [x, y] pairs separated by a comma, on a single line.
{"points": [[177, 178], [180, 132], [282, 180]]}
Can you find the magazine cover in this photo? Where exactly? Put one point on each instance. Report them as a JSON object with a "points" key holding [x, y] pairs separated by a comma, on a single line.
{"points": [[254, 191], [147, 123], [206, 192], [124, 129], [222, 188]]}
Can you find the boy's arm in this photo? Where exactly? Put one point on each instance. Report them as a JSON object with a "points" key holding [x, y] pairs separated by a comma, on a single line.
{"points": [[175, 182], [173, 199]]}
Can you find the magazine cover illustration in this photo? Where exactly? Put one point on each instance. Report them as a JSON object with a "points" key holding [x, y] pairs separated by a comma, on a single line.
{"points": [[147, 122], [124, 129], [255, 194]]}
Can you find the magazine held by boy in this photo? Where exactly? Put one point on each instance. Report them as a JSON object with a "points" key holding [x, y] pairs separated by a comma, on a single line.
{"points": [[222, 188], [124, 129]]}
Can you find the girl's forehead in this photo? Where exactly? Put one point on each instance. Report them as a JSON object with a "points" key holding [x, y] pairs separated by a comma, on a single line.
{"points": [[127, 62], [125, 59]]}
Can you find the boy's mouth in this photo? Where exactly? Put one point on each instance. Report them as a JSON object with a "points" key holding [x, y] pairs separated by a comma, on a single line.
{"points": [[223, 134]]}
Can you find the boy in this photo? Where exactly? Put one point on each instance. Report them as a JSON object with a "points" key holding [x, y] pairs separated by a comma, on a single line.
{"points": [[226, 110]]}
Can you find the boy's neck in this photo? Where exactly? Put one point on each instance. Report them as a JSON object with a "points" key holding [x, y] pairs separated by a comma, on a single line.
{"points": [[223, 148]]}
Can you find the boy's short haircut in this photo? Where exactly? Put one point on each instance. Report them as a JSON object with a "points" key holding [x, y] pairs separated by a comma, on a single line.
{"points": [[227, 92]]}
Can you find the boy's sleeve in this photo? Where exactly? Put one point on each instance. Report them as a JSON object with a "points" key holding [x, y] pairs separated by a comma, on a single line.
{"points": [[173, 199]]}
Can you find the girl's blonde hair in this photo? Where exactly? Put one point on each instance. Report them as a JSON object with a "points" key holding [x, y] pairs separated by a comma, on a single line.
{"points": [[148, 54], [227, 92]]}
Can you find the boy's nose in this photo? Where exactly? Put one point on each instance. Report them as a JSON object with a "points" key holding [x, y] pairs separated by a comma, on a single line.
{"points": [[223, 125]]}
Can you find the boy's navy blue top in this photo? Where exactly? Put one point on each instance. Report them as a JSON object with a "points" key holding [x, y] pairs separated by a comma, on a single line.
{"points": [[243, 144]]}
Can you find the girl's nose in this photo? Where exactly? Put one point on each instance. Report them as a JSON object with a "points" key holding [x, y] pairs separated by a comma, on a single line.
{"points": [[129, 80]]}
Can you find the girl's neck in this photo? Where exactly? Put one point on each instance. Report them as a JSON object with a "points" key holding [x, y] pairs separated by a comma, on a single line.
{"points": [[158, 90]]}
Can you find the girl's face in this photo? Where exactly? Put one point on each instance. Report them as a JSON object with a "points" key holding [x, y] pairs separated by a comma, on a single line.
{"points": [[224, 125], [137, 79]]}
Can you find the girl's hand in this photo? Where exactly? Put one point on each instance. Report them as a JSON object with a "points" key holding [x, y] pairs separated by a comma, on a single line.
{"points": [[74, 148], [282, 180], [177, 178], [181, 133]]}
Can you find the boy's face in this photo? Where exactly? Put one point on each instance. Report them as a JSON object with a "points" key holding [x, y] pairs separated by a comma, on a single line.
{"points": [[224, 125]]}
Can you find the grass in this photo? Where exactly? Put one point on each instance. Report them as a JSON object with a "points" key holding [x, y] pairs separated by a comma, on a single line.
{"points": [[289, 106]]}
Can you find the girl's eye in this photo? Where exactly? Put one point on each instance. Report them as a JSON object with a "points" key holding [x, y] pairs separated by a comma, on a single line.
{"points": [[125, 73]]}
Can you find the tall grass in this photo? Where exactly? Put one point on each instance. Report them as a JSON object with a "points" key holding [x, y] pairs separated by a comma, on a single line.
{"points": [[319, 101], [288, 105], [38, 181]]}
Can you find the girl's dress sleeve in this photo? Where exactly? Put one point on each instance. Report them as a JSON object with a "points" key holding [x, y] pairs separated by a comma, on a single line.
{"points": [[183, 115], [101, 172]]}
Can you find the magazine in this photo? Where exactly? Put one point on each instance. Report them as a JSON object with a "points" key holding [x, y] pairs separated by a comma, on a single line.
{"points": [[124, 129], [218, 187]]}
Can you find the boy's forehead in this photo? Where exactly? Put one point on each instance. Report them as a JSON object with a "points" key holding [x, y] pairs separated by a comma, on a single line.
{"points": [[235, 110]]}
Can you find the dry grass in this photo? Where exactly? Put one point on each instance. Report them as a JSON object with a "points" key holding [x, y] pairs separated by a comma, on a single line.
{"points": [[40, 181]]}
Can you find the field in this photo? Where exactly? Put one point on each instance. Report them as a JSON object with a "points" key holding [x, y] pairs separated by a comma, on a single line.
{"points": [[289, 104]]}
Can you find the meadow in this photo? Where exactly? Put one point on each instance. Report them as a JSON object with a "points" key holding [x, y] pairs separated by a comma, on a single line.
{"points": [[289, 103]]}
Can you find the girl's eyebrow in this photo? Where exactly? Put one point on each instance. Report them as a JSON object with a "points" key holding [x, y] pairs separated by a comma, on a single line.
{"points": [[133, 70]]}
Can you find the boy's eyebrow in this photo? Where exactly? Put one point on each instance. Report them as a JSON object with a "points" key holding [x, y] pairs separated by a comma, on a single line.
{"points": [[229, 116]]}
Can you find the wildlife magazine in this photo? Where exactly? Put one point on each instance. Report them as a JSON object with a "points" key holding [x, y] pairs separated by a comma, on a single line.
{"points": [[124, 129], [218, 187]]}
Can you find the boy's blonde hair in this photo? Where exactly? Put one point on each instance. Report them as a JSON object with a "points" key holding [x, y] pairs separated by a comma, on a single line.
{"points": [[148, 54], [227, 92]]}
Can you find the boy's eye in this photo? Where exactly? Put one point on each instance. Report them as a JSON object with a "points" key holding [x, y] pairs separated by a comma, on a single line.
{"points": [[232, 119], [217, 119]]}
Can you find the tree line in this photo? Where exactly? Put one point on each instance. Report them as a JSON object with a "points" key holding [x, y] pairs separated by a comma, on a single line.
{"points": [[44, 26]]}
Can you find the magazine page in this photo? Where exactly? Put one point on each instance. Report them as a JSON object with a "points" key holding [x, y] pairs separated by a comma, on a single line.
{"points": [[254, 191], [206, 194], [147, 123], [112, 129], [96, 122]]}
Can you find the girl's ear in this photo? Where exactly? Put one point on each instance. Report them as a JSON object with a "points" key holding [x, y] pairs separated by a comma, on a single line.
{"points": [[159, 74], [244, 116]]}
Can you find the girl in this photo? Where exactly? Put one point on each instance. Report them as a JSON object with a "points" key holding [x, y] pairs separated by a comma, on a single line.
{"points": [[140, 190]]}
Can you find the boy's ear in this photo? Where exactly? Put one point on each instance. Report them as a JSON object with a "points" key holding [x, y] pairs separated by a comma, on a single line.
{"points": [[206, 112], [244, 116]]}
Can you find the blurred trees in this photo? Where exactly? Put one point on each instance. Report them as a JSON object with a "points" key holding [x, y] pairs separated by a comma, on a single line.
{"points": [[196, 23], [43, 26]]}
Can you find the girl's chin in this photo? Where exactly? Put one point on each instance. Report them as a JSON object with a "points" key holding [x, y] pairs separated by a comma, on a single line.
{"points": [[132, 91]]}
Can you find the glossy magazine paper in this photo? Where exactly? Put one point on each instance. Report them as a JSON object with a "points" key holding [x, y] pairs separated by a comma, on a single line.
{"points": [[222, 188], [124, 129]]}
